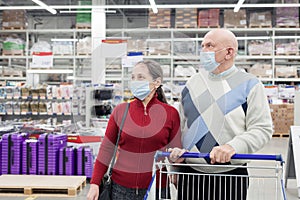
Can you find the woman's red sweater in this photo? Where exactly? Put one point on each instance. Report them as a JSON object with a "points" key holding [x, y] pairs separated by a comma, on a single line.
{"points": [[146, 130]]}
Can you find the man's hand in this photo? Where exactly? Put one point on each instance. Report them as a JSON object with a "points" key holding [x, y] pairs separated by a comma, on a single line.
{"points": [[221, 154], [176, 153]]}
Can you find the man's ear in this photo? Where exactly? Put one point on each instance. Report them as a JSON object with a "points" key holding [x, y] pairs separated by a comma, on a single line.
{"points": [[230, 53]]}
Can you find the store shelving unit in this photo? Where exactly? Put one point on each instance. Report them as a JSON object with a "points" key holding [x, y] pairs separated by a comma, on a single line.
{"points": [[195, 35], [68, 65]]}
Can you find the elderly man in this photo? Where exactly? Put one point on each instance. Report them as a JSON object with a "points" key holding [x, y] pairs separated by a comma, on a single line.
{"points": [[224, 111]]}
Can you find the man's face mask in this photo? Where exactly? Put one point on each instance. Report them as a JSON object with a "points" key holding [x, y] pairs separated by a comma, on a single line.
{"points": [[208, 61]]}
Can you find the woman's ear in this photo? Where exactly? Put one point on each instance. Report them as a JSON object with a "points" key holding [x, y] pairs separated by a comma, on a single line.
{"points": [[157, 82]]}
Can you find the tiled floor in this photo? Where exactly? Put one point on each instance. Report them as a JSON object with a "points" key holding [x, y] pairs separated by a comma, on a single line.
{"points": [[275, 146]]}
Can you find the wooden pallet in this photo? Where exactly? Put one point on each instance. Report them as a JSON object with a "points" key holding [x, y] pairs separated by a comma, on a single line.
{"points": [[286, 76], [13, 54], [83, 27], [288, 54], [185, 26], [13, 28], [84, 54], [41, 185], [159, 26], [259, 26], [260, 54], [263, 76], [235, 26], [216, 26], [287, 26], [281, 135]]}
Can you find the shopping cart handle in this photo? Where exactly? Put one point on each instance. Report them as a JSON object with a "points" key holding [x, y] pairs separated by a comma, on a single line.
{"points": [[235, 156]]}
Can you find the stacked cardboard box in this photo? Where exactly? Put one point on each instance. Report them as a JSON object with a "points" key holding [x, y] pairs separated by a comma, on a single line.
{"points": [[209, 18], [261, 70], [186, 18], [260, 47], [235, 19], [14, 19], [260, 19], [136, 45], [159, 48], [287, 16], [160, 20], [286, 71], [283, 117], [83, 20], [287, 48], [84, 46]]}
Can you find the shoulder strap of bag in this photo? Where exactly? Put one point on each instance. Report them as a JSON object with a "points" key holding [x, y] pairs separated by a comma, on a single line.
{"points": [[117, 143]]}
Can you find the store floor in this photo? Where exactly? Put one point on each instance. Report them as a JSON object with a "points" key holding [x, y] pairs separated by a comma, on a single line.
{"points": [[275, 146]]}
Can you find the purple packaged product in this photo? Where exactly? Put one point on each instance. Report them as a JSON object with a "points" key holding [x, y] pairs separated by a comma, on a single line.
{"points": [[30, 157], [12, 152], [85, 161], [48, 146], [67, 161], [0, 156]]}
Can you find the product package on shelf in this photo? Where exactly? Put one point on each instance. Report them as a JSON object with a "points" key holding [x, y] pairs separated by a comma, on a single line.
{"points": [[85, 161], [62, 48], [14, 19], [83, 20], [67, 160], [13, 47], [9, 107], [162, 19], [139, 45], [30, 159], [287, 48], [235, 19], [84, 46], [185, 48], [186, 18], [159, 48], [42, 55], [286, 71], [287, 16], [260, 19], [283, 117], [12, 152], [49, 145], [209, 18], [259, 47], [261, 70], [1, 156]]}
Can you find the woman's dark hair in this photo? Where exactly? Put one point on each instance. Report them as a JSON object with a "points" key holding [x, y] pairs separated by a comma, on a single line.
{"points": [[156, 72]]}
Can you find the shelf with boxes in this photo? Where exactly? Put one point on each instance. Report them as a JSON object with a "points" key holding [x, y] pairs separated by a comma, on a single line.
{"points": [[65, 102], [46, 52], [269, 53]]}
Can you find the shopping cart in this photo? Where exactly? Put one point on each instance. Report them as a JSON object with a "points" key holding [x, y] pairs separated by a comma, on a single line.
{"points": [[264, 179]]}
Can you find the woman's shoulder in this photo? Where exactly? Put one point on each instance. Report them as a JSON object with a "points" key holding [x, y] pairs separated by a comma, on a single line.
{"points": [[169, 108]]}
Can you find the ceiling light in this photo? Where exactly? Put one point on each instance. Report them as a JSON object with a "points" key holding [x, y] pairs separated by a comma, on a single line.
{"points": [[45, 6], [153, 6], [63, 40], [238, 6], [85, 11]]}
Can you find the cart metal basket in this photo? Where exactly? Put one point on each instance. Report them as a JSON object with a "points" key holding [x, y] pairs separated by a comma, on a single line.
{"points": [[264, 179]]}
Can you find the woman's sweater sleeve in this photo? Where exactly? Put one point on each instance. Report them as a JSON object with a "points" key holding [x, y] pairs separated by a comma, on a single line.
{"points": [[175, 135], [106, 150]]}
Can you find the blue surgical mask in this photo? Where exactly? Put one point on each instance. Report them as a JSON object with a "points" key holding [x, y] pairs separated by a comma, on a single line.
{"points": [[208, 61], [140, 89]]}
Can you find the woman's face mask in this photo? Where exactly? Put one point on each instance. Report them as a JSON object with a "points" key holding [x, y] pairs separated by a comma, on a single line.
{"points": [[140, 89]]}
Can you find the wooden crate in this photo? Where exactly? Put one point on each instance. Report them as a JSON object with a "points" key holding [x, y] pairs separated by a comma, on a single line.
{"points": [[41, 185]]}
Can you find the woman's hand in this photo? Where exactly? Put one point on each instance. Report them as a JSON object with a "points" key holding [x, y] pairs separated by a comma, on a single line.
{"points": [[93, 192], [176, 153]]}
